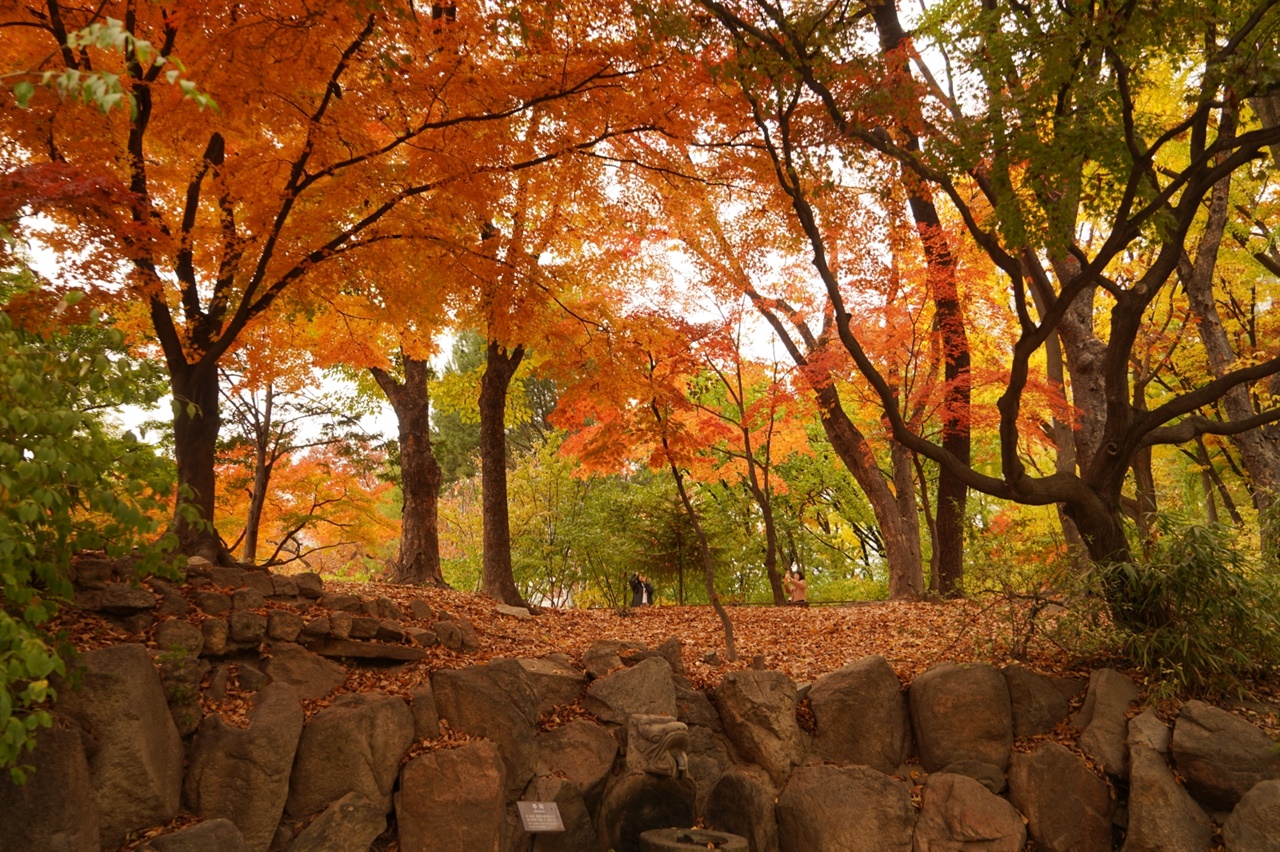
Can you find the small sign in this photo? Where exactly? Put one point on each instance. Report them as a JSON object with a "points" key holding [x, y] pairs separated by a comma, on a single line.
{"points": [[540, 816]]}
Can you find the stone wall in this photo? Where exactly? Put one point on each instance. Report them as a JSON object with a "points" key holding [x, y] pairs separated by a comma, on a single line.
{"points": [[968, 757]]}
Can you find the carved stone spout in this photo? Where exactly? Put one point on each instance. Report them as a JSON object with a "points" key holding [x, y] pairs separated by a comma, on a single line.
{"points": [[658, 745]]}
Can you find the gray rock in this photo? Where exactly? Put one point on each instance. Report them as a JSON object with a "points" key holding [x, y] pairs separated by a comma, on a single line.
{"points": [[741, 803], [462, 789], [422, 637], [173, 603], [421, 610], [318, 626], [340, 624], [850, 808], [215, 834], [338, 601], [390, 631], [959, 813], [422, 703], [351, 823], [646, 688], [55, 809], [312, 676], [693, 707], [604, 655], [986, 774], [247, 627], [961, 713], [178, 635], [357, 650], [517, 612], [180, 676], [353, 745], [495, 701], [225, 575], [137, 767], [1220, 755], [582, 752], [242, 774], [1103, 720], [758, 711], [250, 676], [213, 603], [248, 599], [1147, 729], [555, 682], [387, 609], [579, 833], [216, 633], [283, 587], [1254, 824], [364, 627], [672, 651], [283, 626], [861, 715], [1037, 702], [1067, 806], [637, 802], [125, 599], [1162, 816], [260, 581], [309, 585]]}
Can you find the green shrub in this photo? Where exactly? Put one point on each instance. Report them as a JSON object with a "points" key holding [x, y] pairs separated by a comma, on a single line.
{"points": [[66, 484], [1212, 616]]}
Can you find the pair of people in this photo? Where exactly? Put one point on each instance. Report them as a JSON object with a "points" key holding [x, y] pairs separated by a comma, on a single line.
{"points": [[641, 590], [796, 587]]}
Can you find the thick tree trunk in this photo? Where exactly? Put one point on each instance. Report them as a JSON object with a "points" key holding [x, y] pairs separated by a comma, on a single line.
{"points": [[418, 562], [496, 578], [195, 438], [901, 537]]}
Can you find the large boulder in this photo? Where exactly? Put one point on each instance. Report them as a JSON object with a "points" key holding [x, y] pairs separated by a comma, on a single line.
{"points": [[849, 808], [556, 683], [1147, 729], [583, 752], [636, 802], [758, 710], [495, 701], [55, 809], [137, 765], [1037, 701], [352, 822], [1254, 825], [959, 813], [310, 674], [647, 688], [961, 713], [1162, 816], [353, 745], [1067, 806], [1220, 755], [861, 715], [741, 803], [242, 774], [453, 800], [1103, 721]]}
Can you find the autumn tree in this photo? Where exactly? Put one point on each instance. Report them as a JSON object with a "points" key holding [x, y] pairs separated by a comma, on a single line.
{"points": [[1073, 149], [333, 125]]}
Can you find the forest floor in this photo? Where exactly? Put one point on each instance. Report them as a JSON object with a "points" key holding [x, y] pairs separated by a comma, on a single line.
{"points": [[805, 643]]}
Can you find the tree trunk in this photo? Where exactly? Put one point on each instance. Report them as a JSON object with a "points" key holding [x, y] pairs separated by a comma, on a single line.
{"points": [[902, 550], [195, 438], [261, 478], [418, 562], [948, 324], [496, 579], [708, 564]]}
